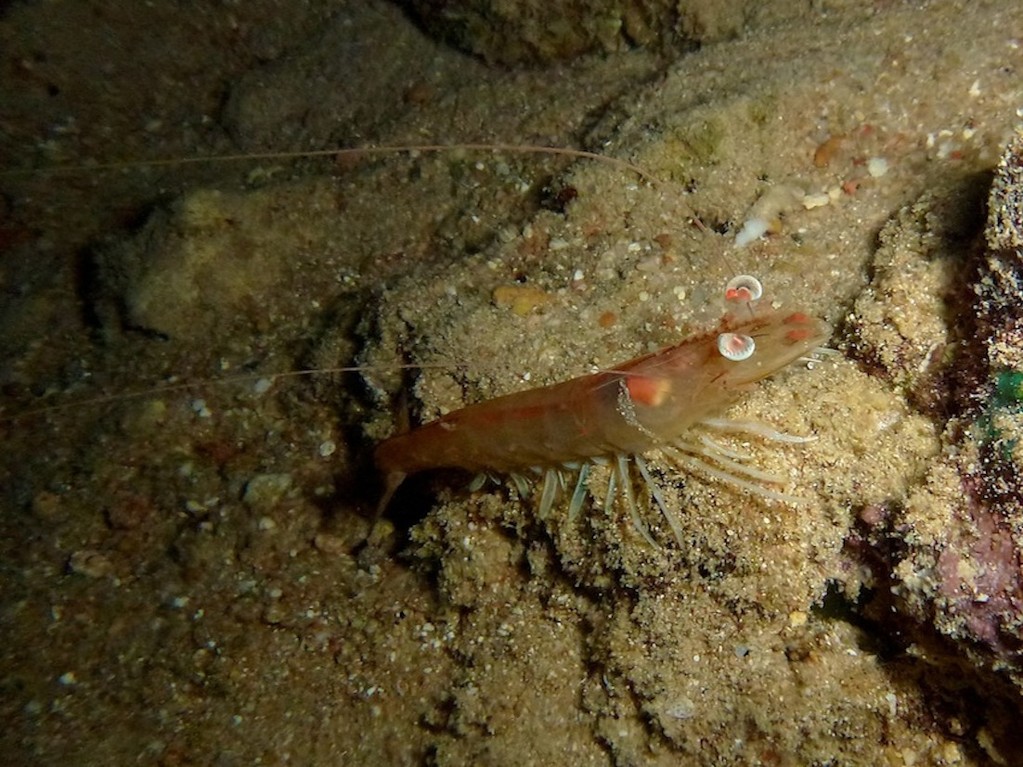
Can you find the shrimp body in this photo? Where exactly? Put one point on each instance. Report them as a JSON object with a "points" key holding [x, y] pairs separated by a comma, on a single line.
{"points": [[650, 402]]}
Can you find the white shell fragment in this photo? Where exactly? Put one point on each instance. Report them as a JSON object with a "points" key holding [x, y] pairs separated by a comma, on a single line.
{"points": [[752, 229], [818, 200], [743, 288], [877, 167], [736, 346]]}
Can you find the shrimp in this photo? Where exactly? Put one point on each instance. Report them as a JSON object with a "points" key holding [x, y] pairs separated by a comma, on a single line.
{"points": [[615, 417]]}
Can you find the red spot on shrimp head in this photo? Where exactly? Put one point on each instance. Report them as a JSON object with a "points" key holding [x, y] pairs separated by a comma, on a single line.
{"points": [[797, 334], [646, 390]]}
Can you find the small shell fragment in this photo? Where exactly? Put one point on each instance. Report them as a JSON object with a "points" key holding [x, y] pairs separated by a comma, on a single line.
{"points": [[752, 229], [818, 200], [877, 167], [90, 563]]}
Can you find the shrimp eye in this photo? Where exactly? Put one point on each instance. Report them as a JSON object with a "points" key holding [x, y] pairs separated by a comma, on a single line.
{"points": [[736, 347], [743, 288]]}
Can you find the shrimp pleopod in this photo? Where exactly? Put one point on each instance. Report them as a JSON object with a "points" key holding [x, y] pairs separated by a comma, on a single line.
{"points": [[664, 402]]}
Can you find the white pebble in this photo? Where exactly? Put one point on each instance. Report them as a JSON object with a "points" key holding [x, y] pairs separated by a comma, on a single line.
{"points": [[893, 703]]}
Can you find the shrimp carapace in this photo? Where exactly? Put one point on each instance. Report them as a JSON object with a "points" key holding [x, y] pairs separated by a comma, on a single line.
{"points": [[650, 403]]}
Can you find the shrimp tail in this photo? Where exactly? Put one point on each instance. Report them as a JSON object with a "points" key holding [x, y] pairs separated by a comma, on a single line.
{"points": [[393, 477], [392, 481]]}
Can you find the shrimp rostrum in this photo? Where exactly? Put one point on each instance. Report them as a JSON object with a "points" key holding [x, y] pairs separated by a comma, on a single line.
{"points": [[665, 402]]}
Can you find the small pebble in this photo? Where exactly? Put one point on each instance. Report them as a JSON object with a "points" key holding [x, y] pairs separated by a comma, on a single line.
{"points": [[90, 563], [330, 544], [521, 299], [266, 490], [46, 505]]}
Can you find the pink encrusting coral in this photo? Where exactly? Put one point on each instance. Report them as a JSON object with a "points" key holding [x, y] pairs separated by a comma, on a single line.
{"points": [[979, 578]]}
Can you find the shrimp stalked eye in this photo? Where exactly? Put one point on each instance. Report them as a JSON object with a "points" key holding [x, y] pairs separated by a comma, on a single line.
{"points": [[736, 346], [743, 289]]}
